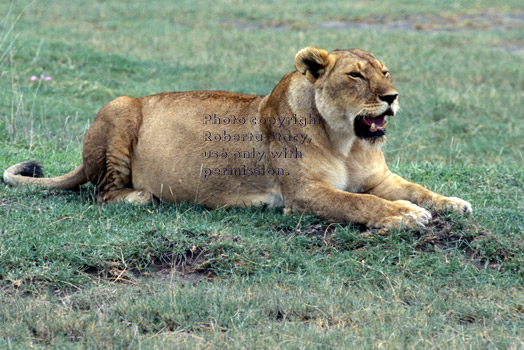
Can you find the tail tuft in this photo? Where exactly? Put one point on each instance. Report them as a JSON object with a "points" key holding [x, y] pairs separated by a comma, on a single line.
{"points": [[31, 168], [31, 173]]}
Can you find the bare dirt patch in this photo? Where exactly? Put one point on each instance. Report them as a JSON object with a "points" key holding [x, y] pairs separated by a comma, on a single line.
{"points": [[184, 268], [168, 265], [452, 23], [449, 23], [448, 235], [169, 268], [194, 265], [251, 25]]}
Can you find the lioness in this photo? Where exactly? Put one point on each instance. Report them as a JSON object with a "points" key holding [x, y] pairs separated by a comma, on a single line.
{"points": [[313, 144]]}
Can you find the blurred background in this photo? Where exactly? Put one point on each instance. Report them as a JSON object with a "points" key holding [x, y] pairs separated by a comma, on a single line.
{"points": [[457, 64]]}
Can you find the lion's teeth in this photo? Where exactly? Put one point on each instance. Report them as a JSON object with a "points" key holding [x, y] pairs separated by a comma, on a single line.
{"points": [[383, 126], [373, 127]]}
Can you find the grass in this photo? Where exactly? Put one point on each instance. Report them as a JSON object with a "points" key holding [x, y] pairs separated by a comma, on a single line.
{"points": [[74, 274]]}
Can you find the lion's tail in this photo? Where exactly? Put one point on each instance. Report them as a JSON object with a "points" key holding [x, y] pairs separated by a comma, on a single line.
{"points": [[30, 173]]}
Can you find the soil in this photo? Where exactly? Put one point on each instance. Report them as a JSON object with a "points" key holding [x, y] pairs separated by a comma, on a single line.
{"points": [[480, 21]]}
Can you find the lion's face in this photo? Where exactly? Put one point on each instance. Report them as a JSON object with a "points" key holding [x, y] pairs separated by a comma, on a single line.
{"points": [[352, 89]]}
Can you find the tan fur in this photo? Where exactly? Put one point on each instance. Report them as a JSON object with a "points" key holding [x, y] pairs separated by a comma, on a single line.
{"points": [[152, 147]]}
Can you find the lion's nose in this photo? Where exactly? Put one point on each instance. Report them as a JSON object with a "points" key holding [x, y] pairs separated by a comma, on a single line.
{"points": [[389, 98]]}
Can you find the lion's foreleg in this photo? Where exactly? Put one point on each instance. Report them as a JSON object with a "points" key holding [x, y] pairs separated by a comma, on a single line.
{"points": [[395, 187], [336, 205]]}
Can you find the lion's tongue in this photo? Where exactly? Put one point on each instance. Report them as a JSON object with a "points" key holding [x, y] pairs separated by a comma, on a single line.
{"points": [[378, 123]]}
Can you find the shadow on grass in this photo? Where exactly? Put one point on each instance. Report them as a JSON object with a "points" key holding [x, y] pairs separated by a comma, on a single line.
{"points": [[448, 233], [453, 236]]}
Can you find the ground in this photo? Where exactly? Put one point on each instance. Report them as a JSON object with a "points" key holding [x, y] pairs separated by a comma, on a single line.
{"points": [[74, 274]]}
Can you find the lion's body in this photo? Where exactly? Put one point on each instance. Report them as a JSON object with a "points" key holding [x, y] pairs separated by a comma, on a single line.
{"points": [[184, 150], [193, 146]]}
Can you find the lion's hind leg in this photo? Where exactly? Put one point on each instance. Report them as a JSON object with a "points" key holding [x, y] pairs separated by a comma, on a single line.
{"points": [[108, 151], [127, 195]]}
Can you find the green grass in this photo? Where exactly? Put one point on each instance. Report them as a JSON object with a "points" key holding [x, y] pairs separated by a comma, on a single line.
{"points": [[74, 274]]}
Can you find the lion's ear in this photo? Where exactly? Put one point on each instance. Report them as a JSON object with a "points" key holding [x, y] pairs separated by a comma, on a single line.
{"points": [[312, 62]]}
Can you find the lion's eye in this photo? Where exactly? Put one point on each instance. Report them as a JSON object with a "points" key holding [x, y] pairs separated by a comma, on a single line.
{"points": [[386, 74], [356, 75]]}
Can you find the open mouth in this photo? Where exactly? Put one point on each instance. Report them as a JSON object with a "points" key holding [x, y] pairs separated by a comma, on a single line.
{"points": [[368, 127]]}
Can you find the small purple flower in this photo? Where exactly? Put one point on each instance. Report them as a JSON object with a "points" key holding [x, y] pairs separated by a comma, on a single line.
{"points": [[42, 77]]}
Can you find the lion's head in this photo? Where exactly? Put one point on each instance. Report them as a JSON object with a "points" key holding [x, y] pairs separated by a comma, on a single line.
{"points": [[353, 90]]}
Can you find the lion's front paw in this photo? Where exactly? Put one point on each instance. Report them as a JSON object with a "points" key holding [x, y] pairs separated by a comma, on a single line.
{"points": [[455, 204], [402, 214]]}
